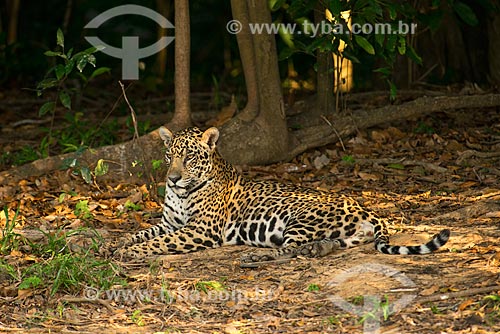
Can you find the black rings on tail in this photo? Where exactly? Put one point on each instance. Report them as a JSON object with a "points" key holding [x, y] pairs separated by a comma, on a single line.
{"points": [[439, 240]]}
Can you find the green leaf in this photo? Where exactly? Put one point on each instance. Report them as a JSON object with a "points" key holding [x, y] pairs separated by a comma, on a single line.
{"points": [[60, 71], [364, 44], [412, 54], [101, 168], [392, 11], [47, 107], [100, 71], [465, 12], [379, 39], [81, 63], [384, 70], [30, 282], [335, 7], [286, 53], [47, 83], [91, 60], [286, 36], [69, 66], [65, 99], [402, 45], [52, 53], [351, 57], [84, 60], [85, 172], [391, 43], [274, 5], [60, 38], [393, 90], [396, 166]]}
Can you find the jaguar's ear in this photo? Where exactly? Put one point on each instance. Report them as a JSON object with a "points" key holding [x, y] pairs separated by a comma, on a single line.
{"points": [[210, 137], [166, 135]]}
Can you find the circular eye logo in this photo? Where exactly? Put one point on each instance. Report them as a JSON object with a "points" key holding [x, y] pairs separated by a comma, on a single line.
{"points": [[130, 53], [373, 308]]}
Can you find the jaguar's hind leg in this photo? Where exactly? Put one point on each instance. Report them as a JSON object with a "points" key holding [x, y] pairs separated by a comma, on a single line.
{"points": [[311, 249], [316, 248]]}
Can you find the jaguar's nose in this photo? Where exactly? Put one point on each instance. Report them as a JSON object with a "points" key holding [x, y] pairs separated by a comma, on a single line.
{"points": [[174, 178]]}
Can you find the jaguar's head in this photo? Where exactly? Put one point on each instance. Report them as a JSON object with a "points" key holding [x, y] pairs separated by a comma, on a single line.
{"points": [[189, 157]]}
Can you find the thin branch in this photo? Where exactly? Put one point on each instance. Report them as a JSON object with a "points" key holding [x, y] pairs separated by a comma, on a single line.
{"points": [[335, 130], [458, 294], [132, 111]]}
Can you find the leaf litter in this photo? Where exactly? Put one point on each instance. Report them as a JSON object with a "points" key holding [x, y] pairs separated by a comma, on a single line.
{"points": [[421, 181]]}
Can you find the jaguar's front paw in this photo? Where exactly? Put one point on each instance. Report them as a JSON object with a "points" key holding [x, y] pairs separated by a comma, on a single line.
{"points": [[256, 257], [110, 248]]}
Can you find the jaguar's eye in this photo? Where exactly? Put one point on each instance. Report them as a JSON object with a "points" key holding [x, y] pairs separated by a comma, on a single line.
{"points": [[189, 157], [167, 158]]}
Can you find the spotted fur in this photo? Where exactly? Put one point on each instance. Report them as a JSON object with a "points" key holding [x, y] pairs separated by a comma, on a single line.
{"points": [[208, 204]]}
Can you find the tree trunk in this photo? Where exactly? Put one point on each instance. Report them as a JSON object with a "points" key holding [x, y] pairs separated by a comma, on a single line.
{"points": [[259, 134], [324, 87], [163, 7], [121, 157], [182, 114], [494, 48]]}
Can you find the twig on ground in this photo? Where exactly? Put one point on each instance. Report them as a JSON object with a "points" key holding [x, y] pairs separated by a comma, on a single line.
{"points": [[263, 263], [88, 300], [458, 294], [426, 165], [473, 153]]}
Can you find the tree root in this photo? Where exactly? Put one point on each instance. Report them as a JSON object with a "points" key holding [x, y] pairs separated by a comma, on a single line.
{"points": [[122, 156]]}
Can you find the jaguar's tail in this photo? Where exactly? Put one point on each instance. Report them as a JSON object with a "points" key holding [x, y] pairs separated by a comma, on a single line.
{"points": [[439, 240]]}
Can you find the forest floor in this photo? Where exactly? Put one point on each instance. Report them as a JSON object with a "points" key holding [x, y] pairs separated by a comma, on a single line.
{"points": [[423, 175]]}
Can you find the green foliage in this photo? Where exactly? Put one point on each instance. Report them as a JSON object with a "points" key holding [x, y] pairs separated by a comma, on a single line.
{"points": [[82, 210], [10, 240], [64, 270], [61, 269], [383, 306], [348, 159], [137, 318], [313, 287], [205, 286], [384, 46], [69, 66], [156, 164], [424, 128], [63, 70], [132, 206]]}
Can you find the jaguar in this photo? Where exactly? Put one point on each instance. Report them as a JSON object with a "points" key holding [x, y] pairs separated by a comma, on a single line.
{"points": [[208, 204]]}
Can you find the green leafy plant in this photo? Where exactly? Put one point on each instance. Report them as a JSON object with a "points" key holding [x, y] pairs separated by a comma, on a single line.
{"points": [[9, 270], [65, 270], [132, 206], [383, 306], [10, 240], [313, 287], [137, 318], [383, 47], [61, 72], [348, 159], [205, 286], [82, 210], [68, 65]]}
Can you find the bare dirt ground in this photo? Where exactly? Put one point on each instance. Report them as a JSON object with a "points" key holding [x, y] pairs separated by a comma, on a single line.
{"points": [[424, 176]]}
